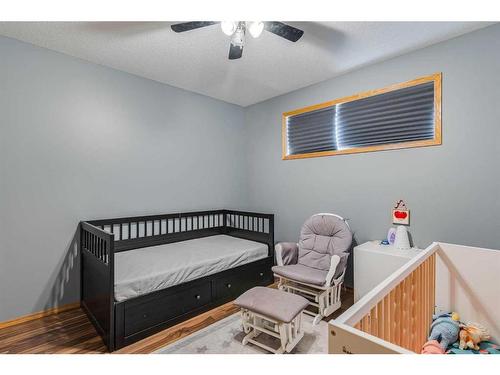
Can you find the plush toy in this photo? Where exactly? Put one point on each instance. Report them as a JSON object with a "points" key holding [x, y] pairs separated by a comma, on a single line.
{"points": [[432, 347], [445, 329], [471, 335]]}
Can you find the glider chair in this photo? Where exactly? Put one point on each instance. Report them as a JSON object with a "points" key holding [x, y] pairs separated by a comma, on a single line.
{"points": [[315, 267]]}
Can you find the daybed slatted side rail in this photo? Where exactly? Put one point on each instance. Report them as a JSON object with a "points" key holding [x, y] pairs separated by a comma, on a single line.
{"points": [[97, 279], [395, 316], [144, 231], [251, 226]]}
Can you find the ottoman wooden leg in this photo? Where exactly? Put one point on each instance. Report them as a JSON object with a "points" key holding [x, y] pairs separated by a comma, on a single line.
{"points": [[295, 333], [289, 334], [279, 316]]}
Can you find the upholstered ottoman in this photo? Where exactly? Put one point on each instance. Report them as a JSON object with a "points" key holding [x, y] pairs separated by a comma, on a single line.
{"points": [[273, 312]]}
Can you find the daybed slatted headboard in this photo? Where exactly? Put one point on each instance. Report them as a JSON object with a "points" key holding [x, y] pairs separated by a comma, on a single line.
{"points": [[97, 279]]}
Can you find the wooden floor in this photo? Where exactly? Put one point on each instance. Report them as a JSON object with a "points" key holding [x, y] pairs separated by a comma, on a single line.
{"points": [[72, 332]]}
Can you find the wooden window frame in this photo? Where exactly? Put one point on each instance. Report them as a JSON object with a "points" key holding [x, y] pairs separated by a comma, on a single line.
{"points": [[436, 78]]}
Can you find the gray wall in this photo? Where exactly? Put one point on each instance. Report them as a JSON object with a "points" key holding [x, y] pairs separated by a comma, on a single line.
{"points": [[81, 141], [453, 190]]}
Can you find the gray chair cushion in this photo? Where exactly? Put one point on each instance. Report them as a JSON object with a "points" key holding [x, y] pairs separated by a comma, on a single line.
{"points": [[272, 303], [342, 265], [301, 273], [289, 252], [321, 237]]}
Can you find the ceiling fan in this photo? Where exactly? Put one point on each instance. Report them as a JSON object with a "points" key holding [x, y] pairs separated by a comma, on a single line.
{"points": [[237, 30]]}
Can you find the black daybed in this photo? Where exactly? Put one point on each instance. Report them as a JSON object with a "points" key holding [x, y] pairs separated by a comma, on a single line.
{"points": [[142, 274]]}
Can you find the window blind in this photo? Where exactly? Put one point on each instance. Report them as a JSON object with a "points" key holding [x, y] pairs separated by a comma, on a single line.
{"points": [[402, 115]]}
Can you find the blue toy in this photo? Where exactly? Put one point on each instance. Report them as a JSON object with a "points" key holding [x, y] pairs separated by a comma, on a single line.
{"points": [[445, 329]]}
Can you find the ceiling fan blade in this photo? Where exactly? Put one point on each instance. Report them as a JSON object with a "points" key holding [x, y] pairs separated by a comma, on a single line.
{"points": [[283, 30], [186, 26], [235, 52]]}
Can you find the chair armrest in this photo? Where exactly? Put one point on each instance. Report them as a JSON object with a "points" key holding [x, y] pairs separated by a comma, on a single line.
{"points": [[335, 262], [286, 253]]}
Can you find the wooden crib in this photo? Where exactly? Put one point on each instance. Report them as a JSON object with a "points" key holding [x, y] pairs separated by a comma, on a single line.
{"points": [[395, 316]]}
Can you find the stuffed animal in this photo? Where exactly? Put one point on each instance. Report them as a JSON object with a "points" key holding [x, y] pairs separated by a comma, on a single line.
{"points": [[471, 335], [432, 347], [445, 329]]}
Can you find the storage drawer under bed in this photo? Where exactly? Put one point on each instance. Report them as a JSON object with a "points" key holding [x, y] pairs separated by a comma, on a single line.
{"points": [[231, 286], [141, 316], [148, 314]]}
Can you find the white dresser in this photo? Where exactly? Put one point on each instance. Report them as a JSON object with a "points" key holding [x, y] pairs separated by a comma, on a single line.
{"points": [[374, 262]]}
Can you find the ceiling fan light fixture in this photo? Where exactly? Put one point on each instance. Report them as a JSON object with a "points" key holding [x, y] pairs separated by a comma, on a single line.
{"points": [[238, 38], [237, 30], [255, 28], [228, 27]]}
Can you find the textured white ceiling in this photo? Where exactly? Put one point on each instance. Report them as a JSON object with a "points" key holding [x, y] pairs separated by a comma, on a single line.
{"points": [[197, 60]]}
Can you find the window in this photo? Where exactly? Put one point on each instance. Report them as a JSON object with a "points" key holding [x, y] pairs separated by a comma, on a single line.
{"points": [[399, 116]]}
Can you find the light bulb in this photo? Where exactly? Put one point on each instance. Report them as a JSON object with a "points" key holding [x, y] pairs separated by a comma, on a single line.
{"points": [[238, 37], [228, 27], [256, 28]]}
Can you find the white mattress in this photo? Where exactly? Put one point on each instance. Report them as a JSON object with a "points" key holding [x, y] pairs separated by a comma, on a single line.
{"points": [[153, 268]]}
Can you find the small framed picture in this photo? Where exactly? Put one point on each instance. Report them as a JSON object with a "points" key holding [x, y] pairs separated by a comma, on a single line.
{"points": [[401, 217]]}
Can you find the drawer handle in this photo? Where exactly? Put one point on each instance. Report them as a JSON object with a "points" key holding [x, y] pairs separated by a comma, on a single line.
{"points": [[228, 285], [197, 296], [261, 274]]}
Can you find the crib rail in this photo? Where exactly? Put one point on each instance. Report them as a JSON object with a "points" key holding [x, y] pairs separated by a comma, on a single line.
{"points": [[395, 316]]}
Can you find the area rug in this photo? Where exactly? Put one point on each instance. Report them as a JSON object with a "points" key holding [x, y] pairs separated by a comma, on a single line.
{"points": [[225, 336]]}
